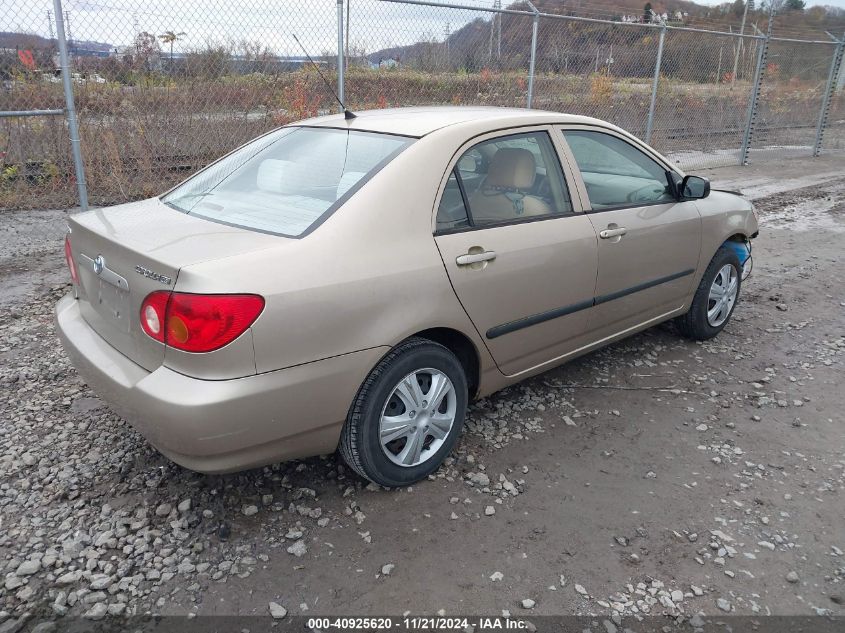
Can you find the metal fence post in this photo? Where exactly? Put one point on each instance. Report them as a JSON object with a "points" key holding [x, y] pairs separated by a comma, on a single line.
{"points": [[762, 52], [762, 55], [534, 28], [650, 124], [70, 108], [835, 65], [340, 63]]}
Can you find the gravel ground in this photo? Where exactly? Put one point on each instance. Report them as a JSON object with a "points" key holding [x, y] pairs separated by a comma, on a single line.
{"points": [[657, 476]]}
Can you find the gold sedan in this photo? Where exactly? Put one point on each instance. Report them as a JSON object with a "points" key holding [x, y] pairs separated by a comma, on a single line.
{"points": [[352, 283]]}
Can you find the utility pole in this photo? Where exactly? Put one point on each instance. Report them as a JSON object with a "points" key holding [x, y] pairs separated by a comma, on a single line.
{"points": [[50, 24], [447, 31], [497, 4], [741, 41], [348, 4]]}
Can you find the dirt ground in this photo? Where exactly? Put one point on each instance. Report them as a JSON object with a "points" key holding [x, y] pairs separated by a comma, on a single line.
{"points": [[656, 476]]}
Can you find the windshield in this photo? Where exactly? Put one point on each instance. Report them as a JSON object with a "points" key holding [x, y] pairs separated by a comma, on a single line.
{"points": [[287, 181]]}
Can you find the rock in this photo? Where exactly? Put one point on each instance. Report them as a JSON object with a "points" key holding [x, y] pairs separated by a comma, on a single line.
{"points": [[386, 569], [163, 510], [792, 577], [677, 596], [184, 506], [100, 581], [580, 589], [28, 567], [496, 576], [119, 607], [724, 605], [489, 511], [248, 511], [480, 479], [69, 578], [298, 549], [528, 603], [277, 611], [96, 612]]}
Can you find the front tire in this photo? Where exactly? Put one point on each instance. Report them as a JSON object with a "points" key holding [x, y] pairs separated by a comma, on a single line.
{"points": [[407, 415], [715, 298]]}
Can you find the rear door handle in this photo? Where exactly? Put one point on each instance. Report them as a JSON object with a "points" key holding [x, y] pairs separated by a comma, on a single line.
{"points": [[475, 258], [609, 233]]}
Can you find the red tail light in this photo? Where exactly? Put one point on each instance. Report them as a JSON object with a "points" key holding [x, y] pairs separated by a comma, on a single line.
{"points": [[70, 263], [198, 323]]}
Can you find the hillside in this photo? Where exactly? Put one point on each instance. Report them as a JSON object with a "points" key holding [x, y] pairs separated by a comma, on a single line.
{"points": [[469, 46], [30, 41]]}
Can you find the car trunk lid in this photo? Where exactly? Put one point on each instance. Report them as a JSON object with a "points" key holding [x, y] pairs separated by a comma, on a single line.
{"points": [[124, 253]]}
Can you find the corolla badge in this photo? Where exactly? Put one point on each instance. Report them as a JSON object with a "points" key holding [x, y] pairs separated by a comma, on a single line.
{"points": [[99, 264], [149, 274]]}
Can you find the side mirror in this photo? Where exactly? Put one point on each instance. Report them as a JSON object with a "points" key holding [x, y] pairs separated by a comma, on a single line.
{"points": [[694, 188]]}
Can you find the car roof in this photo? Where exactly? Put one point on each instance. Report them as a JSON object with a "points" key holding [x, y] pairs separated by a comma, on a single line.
{"points": [[419, 121]]}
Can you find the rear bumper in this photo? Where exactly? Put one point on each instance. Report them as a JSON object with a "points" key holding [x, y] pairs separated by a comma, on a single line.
{"points": [[220, 425]]}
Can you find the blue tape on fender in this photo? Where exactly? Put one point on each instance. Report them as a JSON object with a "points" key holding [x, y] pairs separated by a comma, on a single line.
{"points": [[742, 250]]}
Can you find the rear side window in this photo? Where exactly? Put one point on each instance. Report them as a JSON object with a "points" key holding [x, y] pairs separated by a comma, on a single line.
{"points": [[502, 180], [615, 172], [452, 213], [287, 181]]}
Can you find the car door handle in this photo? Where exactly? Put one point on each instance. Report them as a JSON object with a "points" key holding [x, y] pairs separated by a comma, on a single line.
{"points": [[609, 233], [475, 258]]}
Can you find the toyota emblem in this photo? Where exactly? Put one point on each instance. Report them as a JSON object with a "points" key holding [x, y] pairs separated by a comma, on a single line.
{"points": [[99, 264]]}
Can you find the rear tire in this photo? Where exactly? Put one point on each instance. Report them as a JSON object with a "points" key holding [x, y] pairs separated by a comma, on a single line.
{"points": [[393, 435], [715, 299]]}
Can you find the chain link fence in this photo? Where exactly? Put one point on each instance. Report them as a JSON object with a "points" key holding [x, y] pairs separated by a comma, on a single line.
{"points": [[163, 88], [408, 54], [794, 83]]}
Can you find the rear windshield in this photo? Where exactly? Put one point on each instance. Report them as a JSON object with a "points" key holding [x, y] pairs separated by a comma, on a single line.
{"points": [[286, 182]]}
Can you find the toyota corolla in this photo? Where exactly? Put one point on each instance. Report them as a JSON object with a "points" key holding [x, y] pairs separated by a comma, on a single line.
{"points": [[353, 282]]}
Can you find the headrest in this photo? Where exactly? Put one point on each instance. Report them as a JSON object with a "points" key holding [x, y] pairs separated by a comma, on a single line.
{"points": [[273, 174], [511, 168]]}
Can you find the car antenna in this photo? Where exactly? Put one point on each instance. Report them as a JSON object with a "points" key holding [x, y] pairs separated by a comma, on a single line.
{"points": [[347, 114]]}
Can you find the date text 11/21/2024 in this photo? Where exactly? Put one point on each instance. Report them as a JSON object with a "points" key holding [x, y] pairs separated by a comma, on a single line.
{"points": [[419, 623]]}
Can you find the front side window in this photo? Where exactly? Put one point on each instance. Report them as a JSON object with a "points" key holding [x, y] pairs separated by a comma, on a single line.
{"points": [[285, 182], [505, 179], [615, 172]]}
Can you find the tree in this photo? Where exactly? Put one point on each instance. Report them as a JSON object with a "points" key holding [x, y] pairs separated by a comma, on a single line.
{"points": [[169, 37], [784, 6], [647, 11], [146, 49]]}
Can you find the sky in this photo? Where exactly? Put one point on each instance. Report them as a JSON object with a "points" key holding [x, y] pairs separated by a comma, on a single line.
{"points": [[374, 24]]}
